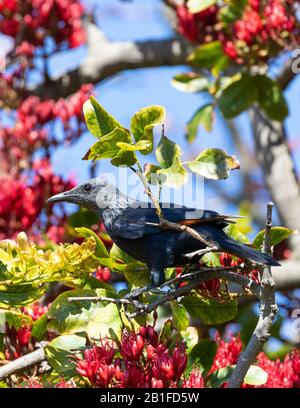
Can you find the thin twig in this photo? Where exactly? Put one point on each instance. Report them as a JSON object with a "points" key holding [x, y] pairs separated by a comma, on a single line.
{"points": [[268, 311]]}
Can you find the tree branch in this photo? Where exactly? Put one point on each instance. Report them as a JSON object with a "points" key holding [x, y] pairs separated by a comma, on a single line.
{"points": [[22, 363], [106, 58], [268, 311]]}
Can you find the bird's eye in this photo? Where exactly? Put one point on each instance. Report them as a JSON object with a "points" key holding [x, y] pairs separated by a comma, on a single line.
{"points": [[87, 188]]}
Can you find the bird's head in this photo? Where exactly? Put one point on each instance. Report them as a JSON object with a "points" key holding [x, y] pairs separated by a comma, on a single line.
{"points": [[95, 194]]}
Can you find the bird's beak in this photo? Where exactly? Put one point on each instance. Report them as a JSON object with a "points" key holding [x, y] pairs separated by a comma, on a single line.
{"points": [[65, 196]]}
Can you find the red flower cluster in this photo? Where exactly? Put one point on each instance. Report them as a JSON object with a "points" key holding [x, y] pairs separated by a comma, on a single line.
{"points": [[282, 374], [38, 19], [22, 200], [20, 338], [40, 28], [227, 352], [263, 29], [145, 362]]}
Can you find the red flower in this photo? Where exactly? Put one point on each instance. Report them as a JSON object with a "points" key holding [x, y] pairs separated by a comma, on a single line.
{"points": [[132, 346], [24, 336], [194, 380]]}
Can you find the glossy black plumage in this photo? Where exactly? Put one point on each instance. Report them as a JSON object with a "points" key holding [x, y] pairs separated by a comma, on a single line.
{"points": [[131, 225]]}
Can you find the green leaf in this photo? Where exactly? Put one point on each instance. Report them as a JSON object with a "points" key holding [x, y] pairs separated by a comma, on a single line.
{"points": [[107, 147], [196, 6], [124, 158], [204, 116], [101, 251], [271, 98], [98, 120], [256, 376], [14, 319], [221, 376], [203, 354], [209, 55], [191, 337], [39, 327], [140, 145], [232, 10], [213, 164], [58, 353], [118, 254], [20, 295], [180, 318], [97, 318], [166, 152], [190, 82], [233, 231], [277, 234], [176, 175], [137, 275], [238, 96], [143, 122], [150, 172], [209, 310]]}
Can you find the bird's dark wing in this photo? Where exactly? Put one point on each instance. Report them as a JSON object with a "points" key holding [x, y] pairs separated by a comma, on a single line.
{"points": [[135, 223]]}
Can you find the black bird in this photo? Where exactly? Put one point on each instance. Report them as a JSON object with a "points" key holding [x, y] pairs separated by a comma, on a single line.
{"points": [[130, 225]]}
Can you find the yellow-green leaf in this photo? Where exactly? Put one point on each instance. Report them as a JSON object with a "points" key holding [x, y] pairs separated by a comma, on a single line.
{"points": [[214, 164], [143, 122], [277, 234], [98, 120]]}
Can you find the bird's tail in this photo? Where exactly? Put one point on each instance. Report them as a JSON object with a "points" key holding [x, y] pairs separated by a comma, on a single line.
{"points": [[227, 244]]}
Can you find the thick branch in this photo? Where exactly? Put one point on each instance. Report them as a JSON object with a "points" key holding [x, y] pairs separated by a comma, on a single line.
{"points": [[268, 311], [274, 156], [106, 58], [22, 363]]}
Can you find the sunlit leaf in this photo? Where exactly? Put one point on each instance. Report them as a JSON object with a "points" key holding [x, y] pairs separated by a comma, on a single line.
{"points": [[213, 164], [166, 152], [190, 82], [180, 318], [96, 318], [107, 147], [175, 175], [101, 251], [98, 120], [196, 6], [277, 234], [256, 376], [143, 122]]}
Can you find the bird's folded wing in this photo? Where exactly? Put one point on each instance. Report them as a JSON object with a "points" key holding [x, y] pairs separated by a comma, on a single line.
{"points": [[135, 223]]}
